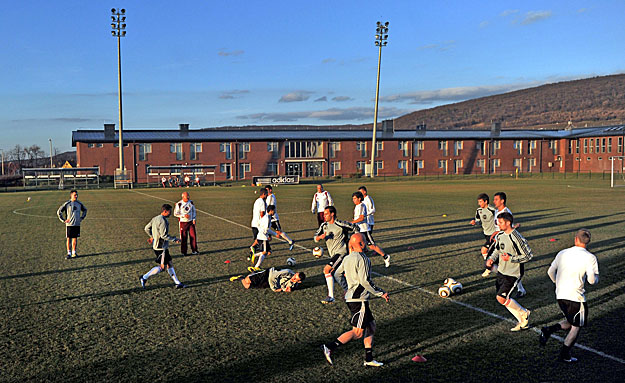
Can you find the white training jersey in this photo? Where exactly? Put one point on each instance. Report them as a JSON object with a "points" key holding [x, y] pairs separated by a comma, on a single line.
{"points": [[264, 228], [570, 270], [368, 201], [259, 207], [504, 210], [271, 200], [320, 201], [182, 209], [359, 210]]}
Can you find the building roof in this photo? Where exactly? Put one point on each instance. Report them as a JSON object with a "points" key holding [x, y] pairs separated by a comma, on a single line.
{"points": [[325, 134]]}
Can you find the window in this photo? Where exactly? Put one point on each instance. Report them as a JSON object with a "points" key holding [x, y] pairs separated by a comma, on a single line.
{"points": [[243, 170], [442, 145], [531, 163], [553, 145], [176, 148], [196, 148], [518, 163], [586, 145], [418, 164], [442, 164], [226, 147], [99, 145], [418, 147], [481, 147], [91, 145], [518, 146], [360, 166], [334, 147], [481, 163], [571, 146], [144, 149], [403, 148], [531, 147], [378, 165], [274, 148], [227, 169], [361, 146], [610, 145], [495, 146], [303, 149], [272, 168], [603, 145], [597, 144], [577, 146], [403, 166], [457, 166], [458, 145], [620, 145], [494, 165], [244, 147], [116, 145], [334, 167], [379, 146]]}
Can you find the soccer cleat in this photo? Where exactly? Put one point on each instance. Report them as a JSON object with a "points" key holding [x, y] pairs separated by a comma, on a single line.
{"points": [[373, 363], [68, 256], [327, 300], [568, 359], [486, 273], [519, 294], [327, 353], [73, 255], [253, 269], [142, 282], [387, 260], [544, 336], [195, 253], [291, 245], [524, 324], [232, 279], [180, 286]]}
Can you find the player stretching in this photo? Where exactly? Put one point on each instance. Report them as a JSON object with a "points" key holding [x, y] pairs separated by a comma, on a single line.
{"points": [[335, 233], [485, 215], [512, 251], [185, 212], [569, 270], [357, 268], [275, 223], [71, 213], [360, 212], [158, 230], [320, 201], [263, 237], [276, 279], [257, 213]]}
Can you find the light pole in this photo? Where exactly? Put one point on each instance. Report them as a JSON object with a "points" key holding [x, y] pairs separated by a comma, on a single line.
{"points": [[51, 166], [119, 26], [380, 41]]}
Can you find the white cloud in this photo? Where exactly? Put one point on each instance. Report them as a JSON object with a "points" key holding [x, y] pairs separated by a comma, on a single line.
{"points": [[508, 12], [332, 114], [328, 61], [223, 52], [532, 17], [232, 94], [452, 94], [342, 98], [298, 95], [320, 99]]}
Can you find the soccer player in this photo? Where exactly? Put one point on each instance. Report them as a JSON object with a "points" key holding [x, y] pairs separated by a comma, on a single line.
{"points": [[274, 278], [186, 213], [263, 237], [158, 230], [335, 233], [257, 213], [357, 268], [275, 223], [512, 252], [485, 215], [163, 181], [360, 214], [187, 180], [71, 213], [569, 271], [320, 201]]}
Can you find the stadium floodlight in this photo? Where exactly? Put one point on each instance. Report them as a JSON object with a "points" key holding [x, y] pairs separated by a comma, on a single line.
{"points": [[119, 31], [380, 41]]}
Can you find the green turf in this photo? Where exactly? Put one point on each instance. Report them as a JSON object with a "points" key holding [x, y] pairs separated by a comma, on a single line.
{"points": [[87, 319]]}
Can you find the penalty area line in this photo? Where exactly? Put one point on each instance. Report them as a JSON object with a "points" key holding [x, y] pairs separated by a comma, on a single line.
{"points": [[421, 289]]}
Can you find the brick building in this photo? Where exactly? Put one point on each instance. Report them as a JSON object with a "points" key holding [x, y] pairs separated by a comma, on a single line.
{"points": [[240, 153]]}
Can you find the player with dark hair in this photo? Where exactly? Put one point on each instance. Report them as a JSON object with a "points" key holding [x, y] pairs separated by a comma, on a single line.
{"points": [[257, 213], [158, 230], [569, 271], [71, 213], [512, 252], [485, 215], [274, 278], [360, 214], [357, 268], [275, 222], [186, 213], [320, 201], [336, 235], [263, 237]]}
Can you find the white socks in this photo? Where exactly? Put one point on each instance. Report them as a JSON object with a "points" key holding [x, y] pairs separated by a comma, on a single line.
{"points": [[521, 289], [173, 276], [155, 270], [516, 309], [261, 258], [330, 283]]}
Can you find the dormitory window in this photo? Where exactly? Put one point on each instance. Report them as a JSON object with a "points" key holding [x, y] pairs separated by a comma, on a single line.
{"points": [[274, 149], [442, 145], [360, 166], [334, 147], [458, 145], [195, 149], [272, 168], [176, 148], [244, 147], [243, 170], [403, 147], [418, 147], [378, 165], [144, 149], [361, 146], [303, 149], [379, 146], [418, 166], [403, 166], [442, 164], [334, 167], [226, 147], [518, 145]]}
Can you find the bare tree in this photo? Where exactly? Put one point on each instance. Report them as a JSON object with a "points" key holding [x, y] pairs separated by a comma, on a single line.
{"points": [[17, 155]]}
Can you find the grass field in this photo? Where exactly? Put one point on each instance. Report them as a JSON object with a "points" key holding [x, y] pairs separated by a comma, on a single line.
{"points": [[87, 319]]}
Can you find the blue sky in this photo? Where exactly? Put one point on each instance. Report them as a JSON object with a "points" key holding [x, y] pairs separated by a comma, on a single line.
{"points": [[210, 63]]}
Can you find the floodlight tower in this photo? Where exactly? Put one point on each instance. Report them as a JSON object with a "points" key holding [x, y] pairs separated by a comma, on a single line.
{"points": [[380, 41], [118, 25]]}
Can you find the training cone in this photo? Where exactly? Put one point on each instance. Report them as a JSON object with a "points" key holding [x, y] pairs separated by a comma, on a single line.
{"points": [[419, 359], [227, 261], [552, 240]]}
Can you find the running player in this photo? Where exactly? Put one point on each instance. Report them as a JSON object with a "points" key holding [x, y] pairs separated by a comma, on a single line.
{"points": [[275, 223], [257, 213], [263, 237], [360, 212], [320, 201], [71, 213], [485, 215], [186, 213], [335, 233], [569, 270], [276, 279], [158, 230], [512, 252]]}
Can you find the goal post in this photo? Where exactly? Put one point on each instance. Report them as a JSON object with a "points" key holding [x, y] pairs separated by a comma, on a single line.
{"points": [[617, 171]]}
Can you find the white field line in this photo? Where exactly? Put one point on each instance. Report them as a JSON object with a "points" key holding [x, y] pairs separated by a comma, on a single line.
{"points": [[466, 305], [18, 212]]}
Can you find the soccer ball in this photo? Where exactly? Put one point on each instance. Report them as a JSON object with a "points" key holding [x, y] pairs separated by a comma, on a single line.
{"points": [[28, 199], [448, 282], [291, 261], [456, 288], [318, 251], [444, 291]]}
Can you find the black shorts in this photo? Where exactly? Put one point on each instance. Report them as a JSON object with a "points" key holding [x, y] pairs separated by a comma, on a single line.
{"points": [[264, 246], [336, 260], [368, 238], [254, 232], [371, 229], [72, 231], [276, 225], [487, 241], [259, 279], [505, 284], [361, 314], [576, 313], [159, 253]]}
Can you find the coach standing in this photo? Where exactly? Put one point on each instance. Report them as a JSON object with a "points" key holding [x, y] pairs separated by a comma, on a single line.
{"points": [[320, 201], [185, 212], [72, 213], [569, 271]]}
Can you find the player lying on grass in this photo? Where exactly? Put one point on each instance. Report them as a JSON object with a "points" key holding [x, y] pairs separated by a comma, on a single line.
{"points": [[274, 278], [263, 237]]}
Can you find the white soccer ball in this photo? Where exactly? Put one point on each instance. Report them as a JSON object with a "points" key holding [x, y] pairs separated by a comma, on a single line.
{"points": [[448, 282], [291, 261], [444, 292], [456, 288], [318, 251], [27, 199]]}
